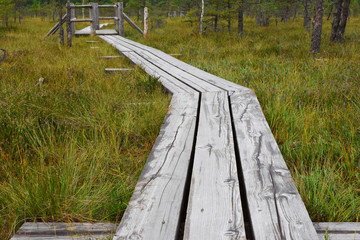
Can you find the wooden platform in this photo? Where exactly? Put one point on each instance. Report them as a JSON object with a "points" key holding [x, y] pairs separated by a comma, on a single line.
{"points": [[215, 171], [87, 30], [90, 231]]}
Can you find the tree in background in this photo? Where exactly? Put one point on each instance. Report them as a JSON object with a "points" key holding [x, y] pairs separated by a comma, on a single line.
{"points": [[316, 33], [307, 14], [339, 20], [6, 9]]}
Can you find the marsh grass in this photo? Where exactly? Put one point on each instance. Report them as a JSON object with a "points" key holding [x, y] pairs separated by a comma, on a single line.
{"points": [[312, 103], [71, 148]]}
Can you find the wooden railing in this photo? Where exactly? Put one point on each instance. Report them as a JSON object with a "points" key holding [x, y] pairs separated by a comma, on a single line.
{"points": [[94, 16]]}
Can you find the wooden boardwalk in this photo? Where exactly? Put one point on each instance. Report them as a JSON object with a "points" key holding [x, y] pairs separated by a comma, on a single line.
{"points": [[214, 172], [105, 231]]}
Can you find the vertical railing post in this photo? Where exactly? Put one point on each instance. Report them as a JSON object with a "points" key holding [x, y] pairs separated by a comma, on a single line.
{"points": [[146, 26], [94, 17], [72, 16], [116, 20], [68, 24], [120, 18]]}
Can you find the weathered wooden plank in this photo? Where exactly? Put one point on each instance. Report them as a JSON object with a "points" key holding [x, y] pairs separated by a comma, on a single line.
{"points": [[80, 20], [275, 206], [106, 32], [182, 76], [56, 27], [339, 227], [154, 209], [109, 70], [87, 30], [214, 208], [215, 80], [64, 231], [132, 23], [339, 236], [169, 82], [117, 46], [110, 57]]}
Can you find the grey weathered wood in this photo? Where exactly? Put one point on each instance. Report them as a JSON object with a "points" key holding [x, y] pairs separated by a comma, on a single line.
{"points": [[73, 20], [212, 79], [107, 18], [81, 6], [107, 6], [56, 27], [146, 26], [106, 32], [276, 208], [339, 236], [68, 24], [214, 210], [340, 227], [121, 18], [110, 57], [64, 231], [94, 17], [132, 23], [182, 76], [117, 69], [87, 30], [168, 81], [155, 207], [72, 10]]}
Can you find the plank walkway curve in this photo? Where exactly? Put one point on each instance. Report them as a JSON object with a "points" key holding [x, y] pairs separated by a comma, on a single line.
{"points": [[215, 171]]}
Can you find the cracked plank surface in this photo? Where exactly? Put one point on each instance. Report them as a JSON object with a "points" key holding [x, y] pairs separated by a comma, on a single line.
{"points": [[276, 208], [64, 231], [154, 208], [179, 74], [214, 210]]}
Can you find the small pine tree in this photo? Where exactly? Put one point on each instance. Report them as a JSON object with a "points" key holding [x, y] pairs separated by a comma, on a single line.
{"points": [[6, 9]]}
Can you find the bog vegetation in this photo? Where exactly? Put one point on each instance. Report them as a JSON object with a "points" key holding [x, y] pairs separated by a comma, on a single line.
{"points": [[73, 144]]}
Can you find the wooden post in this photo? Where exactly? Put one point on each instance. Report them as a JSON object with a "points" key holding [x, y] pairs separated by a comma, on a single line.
{"points": [[61, 30], [68, 23], [73, 16], [94, 17], [121, 19], [146, 27]]}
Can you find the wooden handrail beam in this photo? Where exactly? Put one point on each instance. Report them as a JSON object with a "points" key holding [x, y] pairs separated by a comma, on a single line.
{"points": [[80, 20], [81, 6]]}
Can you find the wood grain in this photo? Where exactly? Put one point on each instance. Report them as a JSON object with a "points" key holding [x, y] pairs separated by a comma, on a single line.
{"points": [[64, 231], [168, 81], [212, 79], [172, 70], [154, 208], [214, 210], [276, 208]]}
